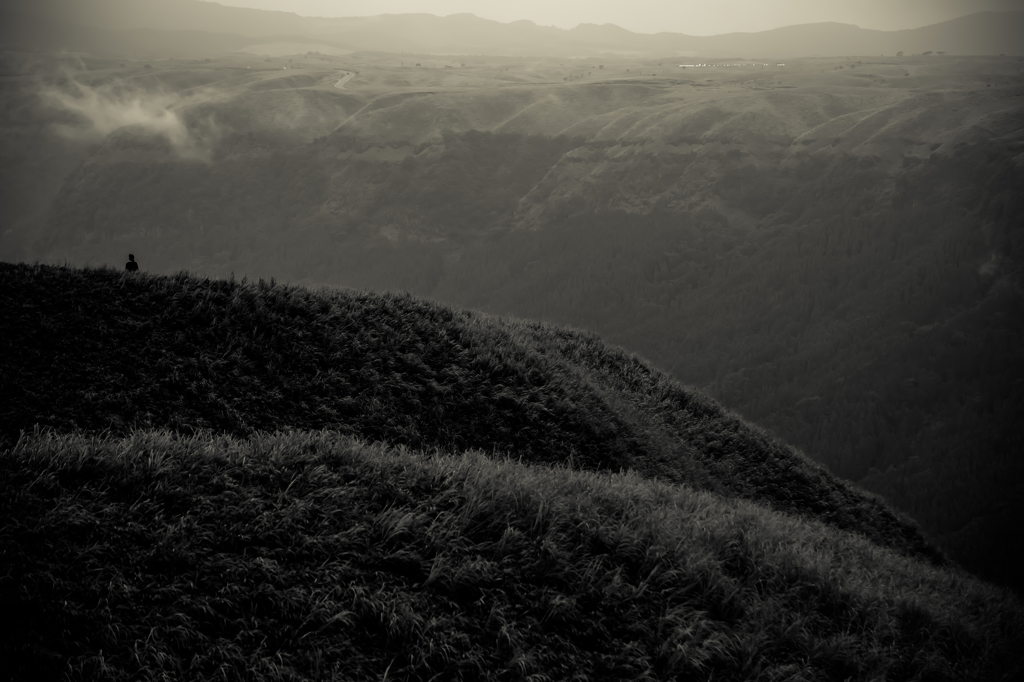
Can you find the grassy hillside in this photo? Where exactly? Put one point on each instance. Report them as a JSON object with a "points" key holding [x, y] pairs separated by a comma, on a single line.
{"points": [[830, 248], [444, 494], [872, 318], [317, 556], [104, 351]]}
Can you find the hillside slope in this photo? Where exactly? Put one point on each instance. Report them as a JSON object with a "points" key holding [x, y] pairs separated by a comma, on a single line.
{"points": [[105, 351], [315, 556], [831, 248], [443, 497]]}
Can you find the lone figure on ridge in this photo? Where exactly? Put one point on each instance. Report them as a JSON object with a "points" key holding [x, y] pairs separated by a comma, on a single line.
{"points": [[131, 265]]}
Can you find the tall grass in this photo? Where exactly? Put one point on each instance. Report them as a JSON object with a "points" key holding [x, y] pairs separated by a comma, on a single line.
{"points": [[320, 556], [96, 350]]}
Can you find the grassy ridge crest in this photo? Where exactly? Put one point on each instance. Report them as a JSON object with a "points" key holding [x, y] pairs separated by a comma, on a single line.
{"points": [[105, 351], [316, 555]]}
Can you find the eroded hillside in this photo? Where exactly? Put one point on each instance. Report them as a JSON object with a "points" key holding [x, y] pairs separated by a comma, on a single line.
{"points": [[413, 153]]}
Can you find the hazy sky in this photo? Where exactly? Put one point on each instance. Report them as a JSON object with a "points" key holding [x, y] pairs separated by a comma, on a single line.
{"points": [[703, 17]]}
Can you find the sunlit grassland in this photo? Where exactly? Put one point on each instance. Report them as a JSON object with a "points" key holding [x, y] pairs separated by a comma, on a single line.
{"points": [[313, 555]]}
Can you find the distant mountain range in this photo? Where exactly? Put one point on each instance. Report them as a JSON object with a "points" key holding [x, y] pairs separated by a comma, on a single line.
{"points": [[188, 28]]}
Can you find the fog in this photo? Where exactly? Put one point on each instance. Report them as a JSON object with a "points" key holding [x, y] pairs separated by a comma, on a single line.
{"points": [[91, 113], [164, 29], [653, 16]]}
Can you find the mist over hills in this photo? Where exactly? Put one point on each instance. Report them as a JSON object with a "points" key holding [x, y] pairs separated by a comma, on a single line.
{"points": [[192, 28]]}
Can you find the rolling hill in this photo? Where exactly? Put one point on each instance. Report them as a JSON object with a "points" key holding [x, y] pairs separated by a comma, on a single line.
{"points": [[253, 480], [831, 248], [107, 353]]}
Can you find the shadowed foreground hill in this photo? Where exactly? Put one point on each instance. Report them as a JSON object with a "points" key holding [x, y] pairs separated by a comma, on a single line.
{"points": [[315, 556], [101, 351], [444, 498]]}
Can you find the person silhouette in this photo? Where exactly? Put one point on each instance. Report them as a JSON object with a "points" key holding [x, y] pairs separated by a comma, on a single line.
{"points": [[131, 265]]}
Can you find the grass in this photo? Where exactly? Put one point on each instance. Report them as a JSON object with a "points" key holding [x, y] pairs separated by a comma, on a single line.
{"points": [[99, 351], [206, 479], [316, 555]]}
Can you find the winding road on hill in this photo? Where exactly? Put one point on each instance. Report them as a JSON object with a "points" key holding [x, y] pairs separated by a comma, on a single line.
{"points": [[347, 77]]}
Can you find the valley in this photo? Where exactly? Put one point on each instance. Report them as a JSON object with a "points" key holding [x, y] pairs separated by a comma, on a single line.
{"points": [[830, 247]]}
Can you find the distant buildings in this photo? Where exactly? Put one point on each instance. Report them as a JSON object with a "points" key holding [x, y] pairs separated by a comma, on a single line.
{"points": [[694, 66]]}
